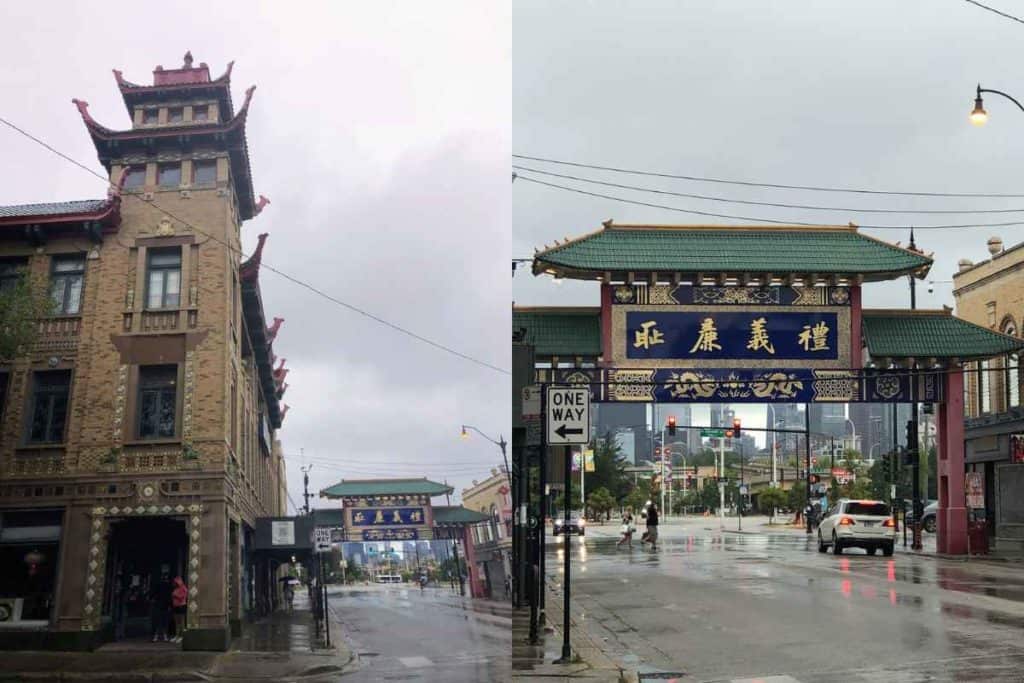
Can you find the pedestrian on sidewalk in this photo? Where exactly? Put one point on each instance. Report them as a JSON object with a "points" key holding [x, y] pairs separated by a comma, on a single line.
{"points": [[627, 528], [160, 607], [289, 595], [179, 601], [652, 527]]}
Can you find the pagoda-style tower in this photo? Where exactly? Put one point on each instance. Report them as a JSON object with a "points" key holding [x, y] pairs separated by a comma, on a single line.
{"points": [[154, 446]]}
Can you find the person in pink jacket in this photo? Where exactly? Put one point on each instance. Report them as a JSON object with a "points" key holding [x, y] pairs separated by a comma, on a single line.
{"points": [[179, 602]]}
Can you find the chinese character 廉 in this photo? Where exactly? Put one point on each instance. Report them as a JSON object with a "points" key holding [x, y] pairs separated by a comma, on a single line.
{"points": [[707, 338], [759, 337], [647, 336]]}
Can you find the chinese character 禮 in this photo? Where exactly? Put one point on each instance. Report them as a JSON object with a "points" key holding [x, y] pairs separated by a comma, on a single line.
{"points": [[759, 337], [706, 340], [814, 338], [648, 335]]}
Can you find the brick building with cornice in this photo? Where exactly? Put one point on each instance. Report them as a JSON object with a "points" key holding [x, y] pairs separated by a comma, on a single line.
{"points": [[137, 436]]}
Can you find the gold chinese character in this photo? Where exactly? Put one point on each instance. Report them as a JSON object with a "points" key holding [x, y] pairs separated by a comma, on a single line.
{"points": [[396, 518], [359, 518], [379, 518], [647, 336], [416, 517], [759, 337], [707, 338], [814, 338]]}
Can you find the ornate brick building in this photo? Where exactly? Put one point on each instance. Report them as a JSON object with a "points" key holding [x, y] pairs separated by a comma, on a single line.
{"points": [[138, 434], [492, 539]]}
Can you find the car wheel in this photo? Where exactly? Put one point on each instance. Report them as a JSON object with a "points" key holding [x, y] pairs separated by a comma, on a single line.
{"points": [[872, 551], [887, 549], [929, 525], [837, 548], [822, 548]]}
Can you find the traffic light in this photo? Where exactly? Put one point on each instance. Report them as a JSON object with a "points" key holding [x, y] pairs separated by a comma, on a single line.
{"points": [[728, 433], [736, 428], [671, 425]]}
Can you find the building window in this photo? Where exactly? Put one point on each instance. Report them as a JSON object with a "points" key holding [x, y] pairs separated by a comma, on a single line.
{"points": [[169, 175], [11, 273], [49, 409], [201, 113], [158, 394], [66, 277], [163, 278], [175, 115], [1012, 381], [150, 116], [204, 172], [135, 177]]}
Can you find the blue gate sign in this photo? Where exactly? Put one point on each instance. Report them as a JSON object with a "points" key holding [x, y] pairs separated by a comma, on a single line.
{"points": [[732, 335], [390, 534], [387, 516]]}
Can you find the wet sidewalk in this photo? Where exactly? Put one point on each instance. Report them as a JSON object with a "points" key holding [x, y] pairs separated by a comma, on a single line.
{"points": [[282, 646]]}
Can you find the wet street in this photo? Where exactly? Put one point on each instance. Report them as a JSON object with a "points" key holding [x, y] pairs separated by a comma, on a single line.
{"points": [[401, 634], [719, 606]]}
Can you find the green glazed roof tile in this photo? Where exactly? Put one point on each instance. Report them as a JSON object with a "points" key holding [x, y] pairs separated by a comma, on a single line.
{"points": [[931, 334], [456, 514], [560, 331], [385, 487], [739, 249]]}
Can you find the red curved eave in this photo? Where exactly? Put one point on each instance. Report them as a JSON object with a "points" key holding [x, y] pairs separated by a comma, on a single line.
{"points": [[109, 215]]}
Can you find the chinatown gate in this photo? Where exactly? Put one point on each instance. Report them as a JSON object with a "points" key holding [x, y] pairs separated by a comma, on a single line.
{"points": [[758, 314]]}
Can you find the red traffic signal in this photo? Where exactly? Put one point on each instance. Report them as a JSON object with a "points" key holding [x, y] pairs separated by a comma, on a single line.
{"points": [[736, 427], [657, 450], [728, 433], [671, 425]]}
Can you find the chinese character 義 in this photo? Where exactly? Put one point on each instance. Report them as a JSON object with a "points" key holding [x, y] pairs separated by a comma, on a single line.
{"points": [[814, 338], [759, 337], [647, 336], [707, 337]]}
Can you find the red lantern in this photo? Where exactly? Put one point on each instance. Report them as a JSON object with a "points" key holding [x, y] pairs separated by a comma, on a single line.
{"points": [[33, 559]]}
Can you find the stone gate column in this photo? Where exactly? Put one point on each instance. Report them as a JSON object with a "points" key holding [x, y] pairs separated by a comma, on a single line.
{"points": [[951, 517]]}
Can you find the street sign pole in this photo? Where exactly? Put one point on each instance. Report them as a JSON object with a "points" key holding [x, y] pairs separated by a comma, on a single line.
{"points": [[567, 561]]}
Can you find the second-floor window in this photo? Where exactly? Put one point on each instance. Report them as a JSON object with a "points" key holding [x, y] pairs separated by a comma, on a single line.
{"points": [[11, 273], [151, 116], [66, 277], [204, 172], [200, 113], [135, 177], [163, 278], [175, 115], [169, 175], [49, 409], [158, 401]]}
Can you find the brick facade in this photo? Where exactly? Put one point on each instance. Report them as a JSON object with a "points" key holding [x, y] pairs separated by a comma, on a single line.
{"points": [[221, 468]]}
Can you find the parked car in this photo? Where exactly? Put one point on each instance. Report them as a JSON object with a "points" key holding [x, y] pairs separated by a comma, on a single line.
{"points": [[927, 515], [576, 525], [864, 524]]}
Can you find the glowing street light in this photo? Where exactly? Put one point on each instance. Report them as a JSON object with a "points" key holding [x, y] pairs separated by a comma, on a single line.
{"points": [[979, 117]]}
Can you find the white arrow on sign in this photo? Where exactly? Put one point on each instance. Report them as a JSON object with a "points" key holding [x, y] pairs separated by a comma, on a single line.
{"points": [[568, 415]]}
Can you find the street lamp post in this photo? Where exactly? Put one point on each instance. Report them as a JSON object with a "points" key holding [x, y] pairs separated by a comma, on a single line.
{"points": [[979, 116], [500, 443]]}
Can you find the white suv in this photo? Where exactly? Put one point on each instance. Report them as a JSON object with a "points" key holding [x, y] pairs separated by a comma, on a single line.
{"points": [[864, 524]]}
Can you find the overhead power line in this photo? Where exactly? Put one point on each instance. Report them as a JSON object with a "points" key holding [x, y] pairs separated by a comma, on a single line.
{"points": [[726, 200], [759, 219], [263, 264], [995, 11], [778, 186]]}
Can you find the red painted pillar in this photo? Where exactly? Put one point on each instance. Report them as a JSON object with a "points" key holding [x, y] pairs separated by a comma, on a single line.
{"points": [[472, 571], [951, 516], [606, 325], [856, 343]]}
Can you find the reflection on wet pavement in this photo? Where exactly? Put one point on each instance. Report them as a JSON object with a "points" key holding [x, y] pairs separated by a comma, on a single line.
{"points": [[722, 606]]}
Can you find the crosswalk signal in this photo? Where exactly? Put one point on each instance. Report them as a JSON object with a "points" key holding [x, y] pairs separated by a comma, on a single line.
{"points": [[671, 425], [736, 427]]}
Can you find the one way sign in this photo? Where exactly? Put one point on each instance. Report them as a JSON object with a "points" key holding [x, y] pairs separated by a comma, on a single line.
{"points": [[568, 415]]}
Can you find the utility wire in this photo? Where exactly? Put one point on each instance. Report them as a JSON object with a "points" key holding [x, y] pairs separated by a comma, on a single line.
{"points": [[726, 200], [755, 219], [778, 186], [286, 276], [995, 11]]}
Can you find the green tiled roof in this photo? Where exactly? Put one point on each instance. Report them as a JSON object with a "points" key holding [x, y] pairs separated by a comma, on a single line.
{"points": [[931, 334], [385, 487], [560, 331], [780, 250], [456, 514]]}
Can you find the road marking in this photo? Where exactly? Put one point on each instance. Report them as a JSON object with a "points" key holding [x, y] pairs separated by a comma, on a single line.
{"points": [[415, 662]]}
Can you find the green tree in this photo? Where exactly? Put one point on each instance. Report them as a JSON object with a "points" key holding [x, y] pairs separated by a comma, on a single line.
{"points": [[22, 303], [559, 502], [600, 501], [772, 498], [638, 495], [709, 496], [609, 468], [797, 496]]}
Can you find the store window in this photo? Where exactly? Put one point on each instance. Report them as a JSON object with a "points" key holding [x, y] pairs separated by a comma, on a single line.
{"points": [[29, 544]]}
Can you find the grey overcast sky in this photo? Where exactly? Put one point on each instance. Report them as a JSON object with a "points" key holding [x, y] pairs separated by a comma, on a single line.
{"points": [[872, 94], [379, 131]]}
